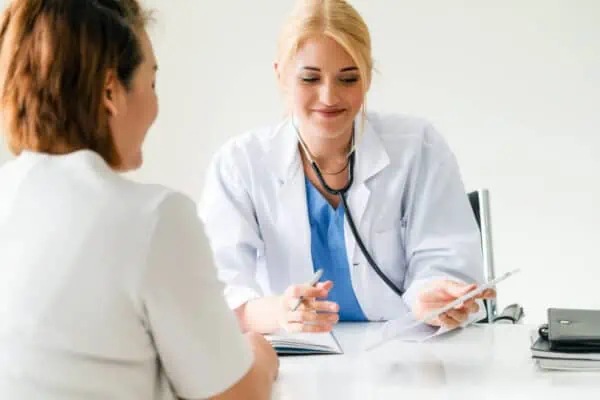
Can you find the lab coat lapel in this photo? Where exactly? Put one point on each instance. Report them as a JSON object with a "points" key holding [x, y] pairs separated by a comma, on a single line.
{"points": [[371, 158], [292, 210]]}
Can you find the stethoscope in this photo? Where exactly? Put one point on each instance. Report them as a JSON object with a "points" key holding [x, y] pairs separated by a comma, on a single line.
{"points": [[342, 192]]}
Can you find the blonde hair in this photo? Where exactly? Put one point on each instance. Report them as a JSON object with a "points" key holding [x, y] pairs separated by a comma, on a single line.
{"points": [[336, 19]]}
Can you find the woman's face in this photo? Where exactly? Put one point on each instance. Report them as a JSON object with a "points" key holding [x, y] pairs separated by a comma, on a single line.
{"points": [[323, 87], [132, 112]]}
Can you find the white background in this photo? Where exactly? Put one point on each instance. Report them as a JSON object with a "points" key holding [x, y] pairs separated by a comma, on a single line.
{"points": [[513, 85]]}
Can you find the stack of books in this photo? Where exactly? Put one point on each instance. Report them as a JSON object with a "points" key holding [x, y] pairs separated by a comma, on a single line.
{"points": [[562, 360], [570, 340]]}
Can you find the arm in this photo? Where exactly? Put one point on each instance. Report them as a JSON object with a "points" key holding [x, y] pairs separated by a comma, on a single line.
{"points": [[442, 241], [230, 221], [257, 383], [196, 337], [280, 309], [256, 315]]}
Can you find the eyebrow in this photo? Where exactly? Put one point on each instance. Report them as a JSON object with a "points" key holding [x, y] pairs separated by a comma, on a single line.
{"points": [[346, 69]]}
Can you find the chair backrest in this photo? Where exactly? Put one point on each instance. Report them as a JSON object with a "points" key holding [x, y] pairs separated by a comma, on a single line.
{"points": [[480, 203]]}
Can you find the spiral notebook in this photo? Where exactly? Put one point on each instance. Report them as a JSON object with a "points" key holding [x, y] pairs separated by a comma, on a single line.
{"points": [[304, 343]]}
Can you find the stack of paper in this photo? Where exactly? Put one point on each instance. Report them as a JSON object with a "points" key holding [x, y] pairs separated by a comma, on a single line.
{"points": [[304, 343]]}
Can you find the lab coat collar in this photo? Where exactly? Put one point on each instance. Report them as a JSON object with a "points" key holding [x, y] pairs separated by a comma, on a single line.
{"points": [[371, 156]]}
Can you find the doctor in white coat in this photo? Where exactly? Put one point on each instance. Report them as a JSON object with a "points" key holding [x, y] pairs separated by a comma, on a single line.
{"points": [[275, 208]]}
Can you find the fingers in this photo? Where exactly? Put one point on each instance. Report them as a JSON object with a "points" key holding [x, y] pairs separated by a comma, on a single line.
{"points": [[444, 291], [321, 289], [487, 294], [456, 317], [472, 308], [312, 317], [327, 285], [297, 291], [459, 316], [325, 306], [448, 322], [468, 305], [455, 289]]}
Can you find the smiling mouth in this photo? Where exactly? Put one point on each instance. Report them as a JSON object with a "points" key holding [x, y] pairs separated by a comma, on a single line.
{"points": [[330, 113]]}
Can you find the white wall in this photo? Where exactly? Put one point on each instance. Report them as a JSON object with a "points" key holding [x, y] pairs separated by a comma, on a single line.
{"points": [[513, 85], [4, 154]]}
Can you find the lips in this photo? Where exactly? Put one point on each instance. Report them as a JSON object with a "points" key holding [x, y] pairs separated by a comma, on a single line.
{"points": [[330, 113]]}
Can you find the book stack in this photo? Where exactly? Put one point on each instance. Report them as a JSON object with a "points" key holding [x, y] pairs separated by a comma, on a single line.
{"points": [[546, 358], [569, 341]]}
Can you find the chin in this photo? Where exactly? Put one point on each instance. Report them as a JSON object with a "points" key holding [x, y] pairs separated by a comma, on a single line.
{"points": [[331, 129]]}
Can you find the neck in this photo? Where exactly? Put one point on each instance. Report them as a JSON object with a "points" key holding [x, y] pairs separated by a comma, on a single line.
{"points": [[329, 153]]}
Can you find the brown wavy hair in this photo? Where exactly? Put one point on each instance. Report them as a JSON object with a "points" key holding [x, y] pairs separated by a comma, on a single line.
{"points": [[54, 60]]}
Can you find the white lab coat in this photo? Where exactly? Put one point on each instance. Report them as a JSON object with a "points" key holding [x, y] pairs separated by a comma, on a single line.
{"points": [[408, 201]]}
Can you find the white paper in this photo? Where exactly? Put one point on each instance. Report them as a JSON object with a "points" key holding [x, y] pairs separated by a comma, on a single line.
{"points": [[408, 329], [405, 329], [320, 342]]}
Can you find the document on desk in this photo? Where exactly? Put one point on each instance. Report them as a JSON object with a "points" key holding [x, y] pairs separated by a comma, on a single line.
{"points": [[405, 329]]}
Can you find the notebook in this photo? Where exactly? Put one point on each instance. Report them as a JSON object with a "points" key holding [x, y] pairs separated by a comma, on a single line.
{"points": [[304, 343]]}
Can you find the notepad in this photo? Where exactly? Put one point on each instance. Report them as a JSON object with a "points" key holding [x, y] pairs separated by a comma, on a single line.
{"points": [[304, 343]]}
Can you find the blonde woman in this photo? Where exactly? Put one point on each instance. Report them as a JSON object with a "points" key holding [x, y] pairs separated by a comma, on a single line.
{"points": [[375, 201], [107, 287]]}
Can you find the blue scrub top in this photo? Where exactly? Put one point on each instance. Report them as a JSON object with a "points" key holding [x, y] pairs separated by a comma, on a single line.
{"points": [[328, 250]]}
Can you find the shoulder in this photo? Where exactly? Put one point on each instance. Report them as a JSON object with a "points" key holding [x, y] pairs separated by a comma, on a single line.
{"points": [[154, 201], [405, 129], [254, 153], [403, 133]]}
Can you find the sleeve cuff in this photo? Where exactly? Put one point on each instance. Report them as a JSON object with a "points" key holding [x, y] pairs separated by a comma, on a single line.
{"points": [[238, 295]]}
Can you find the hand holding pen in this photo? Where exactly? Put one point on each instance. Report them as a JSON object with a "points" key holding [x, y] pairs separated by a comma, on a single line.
{"points": [[304, 308]]}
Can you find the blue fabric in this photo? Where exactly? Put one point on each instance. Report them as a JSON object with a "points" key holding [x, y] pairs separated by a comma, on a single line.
{"points": [[328, 250]]}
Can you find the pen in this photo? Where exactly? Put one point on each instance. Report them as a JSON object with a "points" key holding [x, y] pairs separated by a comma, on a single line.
{"points": [[313, 282]]}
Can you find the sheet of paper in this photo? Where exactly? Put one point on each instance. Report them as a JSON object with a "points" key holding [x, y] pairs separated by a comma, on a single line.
{"points": [[405, 329], [308, 341]]}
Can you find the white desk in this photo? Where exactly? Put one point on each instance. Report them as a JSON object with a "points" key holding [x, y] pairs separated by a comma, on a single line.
{"points": [[480, 362]]}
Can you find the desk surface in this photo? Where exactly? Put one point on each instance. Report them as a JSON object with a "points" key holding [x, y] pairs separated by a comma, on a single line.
{"points": [[480, 362]]}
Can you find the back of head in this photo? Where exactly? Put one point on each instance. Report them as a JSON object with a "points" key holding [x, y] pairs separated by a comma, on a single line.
{"points": [[336, 19], [54, 59]]}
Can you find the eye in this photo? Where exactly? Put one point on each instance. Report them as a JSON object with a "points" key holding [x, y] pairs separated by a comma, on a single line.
{"points": [[309, 79], [349, 80], [153, 85]]}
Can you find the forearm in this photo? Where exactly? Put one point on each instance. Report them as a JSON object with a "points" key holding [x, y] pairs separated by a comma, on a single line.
{"points": [[260, 315], [257, 384]]}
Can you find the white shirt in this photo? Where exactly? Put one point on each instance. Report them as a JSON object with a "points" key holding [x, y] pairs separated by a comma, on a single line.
{"points": [[407, 200], [107, 288]]}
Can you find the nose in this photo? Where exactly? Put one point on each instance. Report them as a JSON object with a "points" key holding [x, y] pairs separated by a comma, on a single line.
{"points": [[328, 94]]}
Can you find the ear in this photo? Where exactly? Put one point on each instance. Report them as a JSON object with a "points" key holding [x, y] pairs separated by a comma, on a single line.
{"points": [[277, 71], [113, 96]]}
